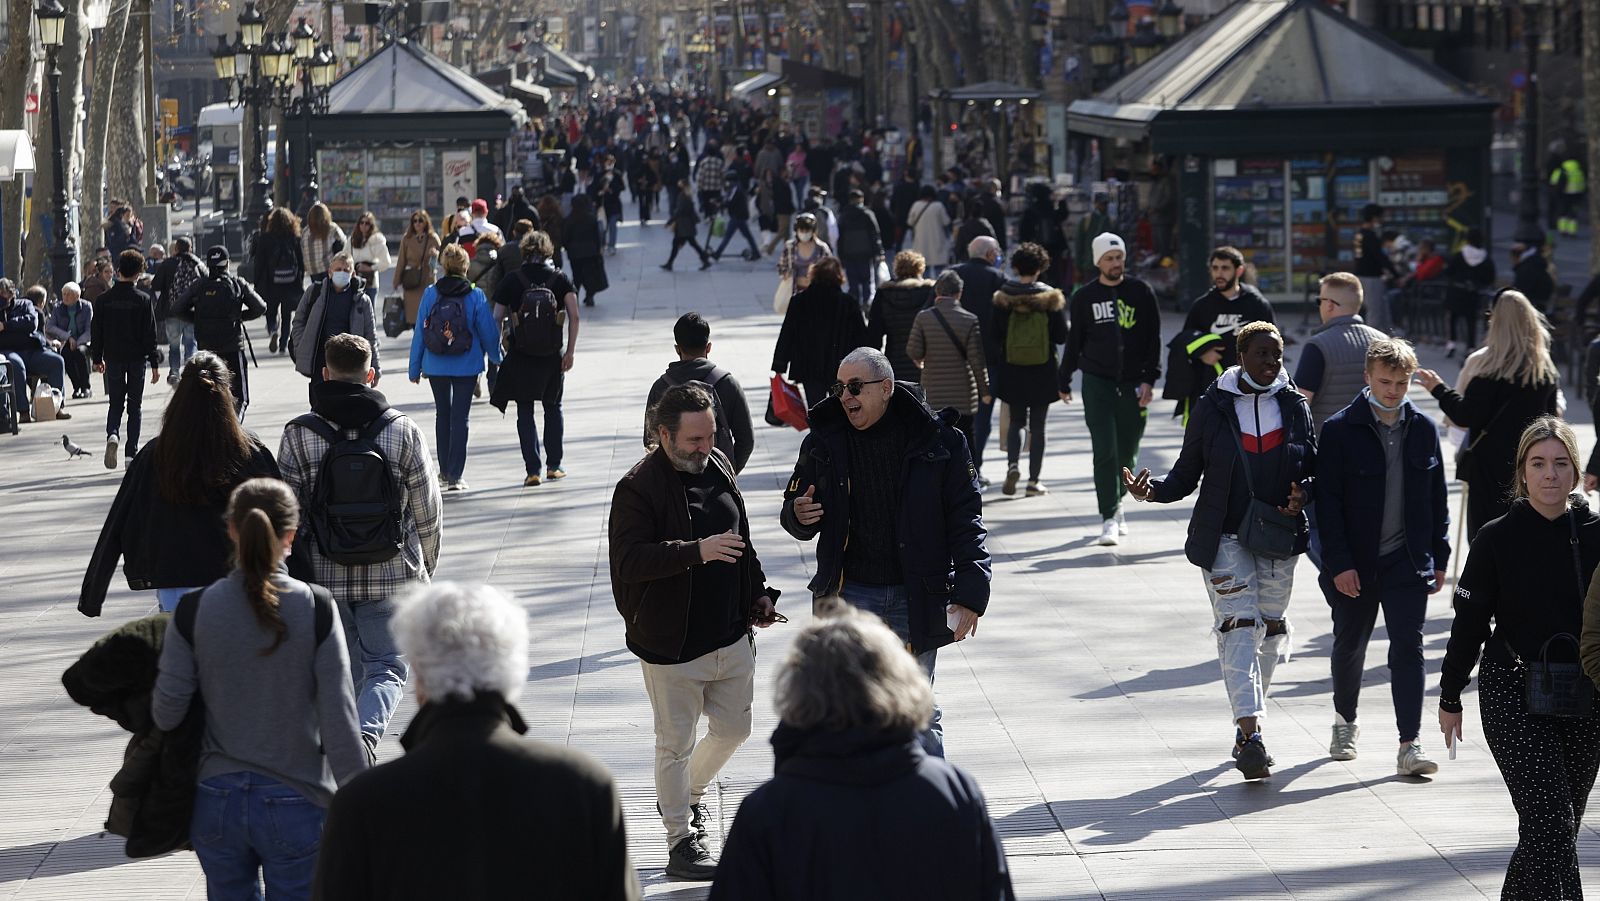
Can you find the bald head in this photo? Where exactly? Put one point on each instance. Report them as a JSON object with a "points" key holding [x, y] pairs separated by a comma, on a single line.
{"points": [[984, 248]]}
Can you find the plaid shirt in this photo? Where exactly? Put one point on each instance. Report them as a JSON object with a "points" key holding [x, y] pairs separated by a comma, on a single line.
{"points": [[710, 176], [300, 457], [319, 254]]}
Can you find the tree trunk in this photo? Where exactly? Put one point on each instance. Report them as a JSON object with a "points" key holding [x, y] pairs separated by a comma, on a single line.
{"points": [[92, 209], [1591, 121], [125, 161], [14, 71]]}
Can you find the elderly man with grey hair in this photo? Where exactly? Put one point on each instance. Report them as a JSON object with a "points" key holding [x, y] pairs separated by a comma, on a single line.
{"points": [[335, 305], [852, 785], [946, 343], [68, 332], [981, 278], [473, 810], [887, 488]]}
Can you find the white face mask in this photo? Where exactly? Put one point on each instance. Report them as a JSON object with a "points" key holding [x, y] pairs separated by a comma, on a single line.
{"points": [[341, 280], [804, 234]]}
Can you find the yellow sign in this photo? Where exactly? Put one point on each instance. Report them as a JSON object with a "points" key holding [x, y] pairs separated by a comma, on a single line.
{"points": [[169, 112]]}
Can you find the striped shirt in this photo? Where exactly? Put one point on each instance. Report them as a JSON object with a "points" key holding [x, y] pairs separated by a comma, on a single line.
{"points": [[300, 457]]}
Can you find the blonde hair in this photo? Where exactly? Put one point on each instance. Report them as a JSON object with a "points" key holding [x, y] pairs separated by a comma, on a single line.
{"points": [[846, 670], [909, 264], [1395, 353], [1517, 348], [1542, 429], [1345, 282], [454, 259]]}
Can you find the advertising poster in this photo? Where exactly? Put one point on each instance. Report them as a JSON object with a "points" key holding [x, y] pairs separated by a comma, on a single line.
{"points": [[460, 170]]}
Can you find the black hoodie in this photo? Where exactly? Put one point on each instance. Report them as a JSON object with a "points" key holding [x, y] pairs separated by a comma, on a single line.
{"points": [[1220, 315], [347, 405], [730, 401], [1116, 333]]}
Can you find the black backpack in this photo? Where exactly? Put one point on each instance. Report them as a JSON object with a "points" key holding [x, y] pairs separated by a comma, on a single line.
{"points": [[216, 316], [322, 615], [723, 439], [285, 268], [539, 324], [357, 510]]}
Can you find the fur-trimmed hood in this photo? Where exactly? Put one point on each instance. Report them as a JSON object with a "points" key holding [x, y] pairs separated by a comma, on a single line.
{"points": [[1037, 297]]}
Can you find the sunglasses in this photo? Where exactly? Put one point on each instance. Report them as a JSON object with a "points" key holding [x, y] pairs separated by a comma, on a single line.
{"points": [[854, 386]]}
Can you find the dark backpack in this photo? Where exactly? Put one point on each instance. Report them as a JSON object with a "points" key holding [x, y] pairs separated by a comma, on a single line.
{"points": [[322, 614], [216, 316], [357, 510], [724, 434], [446, 330], [186, 275], [285, 268], [538, 325]]}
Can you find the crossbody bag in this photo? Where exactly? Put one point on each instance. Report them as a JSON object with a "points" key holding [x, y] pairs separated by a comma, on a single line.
{"points": [[1265, 531]]}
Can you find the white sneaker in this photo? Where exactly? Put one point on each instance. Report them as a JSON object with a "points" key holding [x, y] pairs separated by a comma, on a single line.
{"points": [[1413, 761], [1108, 533], [1122, 522], [111, 451], [1343, 744]]}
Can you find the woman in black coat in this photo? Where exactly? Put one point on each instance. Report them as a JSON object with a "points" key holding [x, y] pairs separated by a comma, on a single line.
{"points": [[822, 324], [278, 271], [166, 524], [1505, 386], [582, 240], [852, 786], [894, 307]]}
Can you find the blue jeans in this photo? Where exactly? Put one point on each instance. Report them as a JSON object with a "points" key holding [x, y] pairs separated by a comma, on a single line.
{"points": [[452, 397], [554, 428], [742, 226], [378, 670], [611, 230], [180, 343], [168, 598], [124, 387], [982, 425], [891, 603], [246, 825], [46, 364], [1402, 593]]}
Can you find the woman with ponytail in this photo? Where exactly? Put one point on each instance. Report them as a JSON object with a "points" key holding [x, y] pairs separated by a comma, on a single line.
{"points": [[273, 674], [166, 522]]}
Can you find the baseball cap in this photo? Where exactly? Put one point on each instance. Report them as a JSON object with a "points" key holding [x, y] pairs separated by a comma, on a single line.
{"points": [[480, 207], [216, 255]]}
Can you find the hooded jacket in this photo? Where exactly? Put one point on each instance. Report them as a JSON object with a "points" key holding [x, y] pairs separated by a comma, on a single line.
{"points": [[892, 823], [894, 308], [940, 520], [1026, 385], [730, 401], [654, 552], [485, 334], [1116, 334], [1276, 423], [305, 335], [1520, 576]]}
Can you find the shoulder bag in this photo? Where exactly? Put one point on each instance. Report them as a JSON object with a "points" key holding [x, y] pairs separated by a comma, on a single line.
{"points": [[1264, 531], [1561, 689], [949, 331]]}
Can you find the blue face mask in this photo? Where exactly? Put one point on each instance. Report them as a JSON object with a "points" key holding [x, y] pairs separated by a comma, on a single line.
{"points": [[1245, 374], [1373, 399], [341, 280]]}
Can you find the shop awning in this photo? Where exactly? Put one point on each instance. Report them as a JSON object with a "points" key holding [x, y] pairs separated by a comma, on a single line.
{"points": [[987, 91], [756, 83], [1294, 59], [527, 90], [557, 61], [16, 153]]}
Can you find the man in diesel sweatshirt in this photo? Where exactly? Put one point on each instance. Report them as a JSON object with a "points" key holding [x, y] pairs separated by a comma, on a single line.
{"points": [[122, 340], [1115, 338]]}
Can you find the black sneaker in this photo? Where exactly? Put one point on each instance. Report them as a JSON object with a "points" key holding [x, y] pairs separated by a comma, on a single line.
{"points": [[272, 343], [689, 859], [698, 817], [1252, 759]]}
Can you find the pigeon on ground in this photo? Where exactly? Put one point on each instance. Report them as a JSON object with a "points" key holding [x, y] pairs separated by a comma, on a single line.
{"points": [[73, 451]]}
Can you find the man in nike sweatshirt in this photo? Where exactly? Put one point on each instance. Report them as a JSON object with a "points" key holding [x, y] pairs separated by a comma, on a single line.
{"points": [[1115, 338]]}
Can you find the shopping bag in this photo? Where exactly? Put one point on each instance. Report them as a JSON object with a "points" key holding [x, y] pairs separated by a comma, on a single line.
{"points": [[787, 404], [46, 403], [883, 272], [780, 297], [719, 225]]}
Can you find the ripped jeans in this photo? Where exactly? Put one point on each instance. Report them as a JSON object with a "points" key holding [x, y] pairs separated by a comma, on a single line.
{"points": [[1249, 600]]}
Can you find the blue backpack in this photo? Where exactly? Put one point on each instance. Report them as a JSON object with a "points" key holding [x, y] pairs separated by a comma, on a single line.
{"points": [[445, 331]]}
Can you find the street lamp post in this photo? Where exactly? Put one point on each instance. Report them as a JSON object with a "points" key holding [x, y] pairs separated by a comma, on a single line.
{"points": [[1529, 231], [316, 66], [52, 30]]}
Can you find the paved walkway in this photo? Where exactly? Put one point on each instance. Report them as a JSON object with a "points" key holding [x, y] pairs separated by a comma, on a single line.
{"points": [[1089, 706]]}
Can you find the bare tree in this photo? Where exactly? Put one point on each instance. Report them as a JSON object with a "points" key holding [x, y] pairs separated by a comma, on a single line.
{"points": [[92, 209], [41, 233], [128, 141], [14, 71]]}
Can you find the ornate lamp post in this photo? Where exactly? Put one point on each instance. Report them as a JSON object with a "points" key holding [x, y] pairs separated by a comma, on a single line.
{"points": [[52, 31], [1169, 20], [316, 66]]}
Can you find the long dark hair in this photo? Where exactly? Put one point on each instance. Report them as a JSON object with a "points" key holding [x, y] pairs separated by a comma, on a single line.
{"points": [[202, 447], [262, 513]]}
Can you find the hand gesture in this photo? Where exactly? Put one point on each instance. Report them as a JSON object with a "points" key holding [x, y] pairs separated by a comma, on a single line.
{"points": [[1438, 582], [1138, 485], [1297, 500], [806, 508], [1147, 393], [724, 548], [1428, 379], [1348, 583]]}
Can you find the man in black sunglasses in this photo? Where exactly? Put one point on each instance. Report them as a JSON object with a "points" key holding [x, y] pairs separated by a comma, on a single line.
{"points": [[888, 489]]}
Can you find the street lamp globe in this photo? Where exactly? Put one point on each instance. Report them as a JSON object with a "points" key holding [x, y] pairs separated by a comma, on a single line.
{"points": [[468, 42], [305, 40], [1118, 18], [277, 58], [223, 59], [323, 65], [252, 25], [52, 23], [352, 46], [242, 55], [1103, 50], [1169, 20]]}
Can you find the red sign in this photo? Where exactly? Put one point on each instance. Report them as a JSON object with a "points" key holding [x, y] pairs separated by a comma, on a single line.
{"points": [[32, 104]]}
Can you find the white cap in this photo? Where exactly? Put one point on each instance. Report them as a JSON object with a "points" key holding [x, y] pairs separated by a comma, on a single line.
{"points": [[1104, 243]]}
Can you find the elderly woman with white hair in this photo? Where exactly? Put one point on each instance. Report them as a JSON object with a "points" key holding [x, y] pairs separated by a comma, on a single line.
{"points": [[473, 810], [853, 787]]}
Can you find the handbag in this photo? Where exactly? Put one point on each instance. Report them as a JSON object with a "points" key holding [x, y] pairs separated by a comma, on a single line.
{"points": [[1265, 531], [787, 405], [411, 277], [882, 272], [780, 297], [1560, 689], [1464, 455]]}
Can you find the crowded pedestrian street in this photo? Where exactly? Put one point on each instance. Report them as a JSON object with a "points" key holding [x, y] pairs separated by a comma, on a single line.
{"points": [[1087, 706]]}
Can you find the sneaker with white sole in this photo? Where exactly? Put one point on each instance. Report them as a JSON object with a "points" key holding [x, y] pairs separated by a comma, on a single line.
{"points": [[112, 443], [1108, 533], [1343, 744], [1413, 761], [1122, 522], [1037, 489]]}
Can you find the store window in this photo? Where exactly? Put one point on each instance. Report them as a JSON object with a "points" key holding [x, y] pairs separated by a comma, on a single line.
{"points": [[1248, 212], [388, 181]]}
